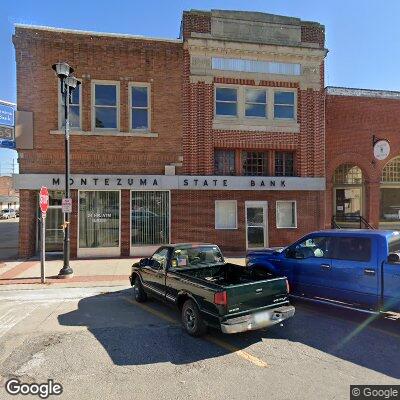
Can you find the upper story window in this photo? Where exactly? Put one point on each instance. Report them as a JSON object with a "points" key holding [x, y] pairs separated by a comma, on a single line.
{"points": [[226, 101], [224, 162], [255, 163], [140, 107], [284, 164], [255, 66], [284, 105], [105, 105], [75, 109], [255, 103]]}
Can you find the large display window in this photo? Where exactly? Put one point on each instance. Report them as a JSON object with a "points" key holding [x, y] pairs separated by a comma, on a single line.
{"points": [[150, 218], [99, 219]]}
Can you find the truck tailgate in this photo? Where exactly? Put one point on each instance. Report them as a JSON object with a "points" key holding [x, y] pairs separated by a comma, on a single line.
{"points": [[249, 296]]}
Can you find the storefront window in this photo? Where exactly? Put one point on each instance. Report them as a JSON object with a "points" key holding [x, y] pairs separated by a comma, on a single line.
{"points": [[150, 218], [99, 219], [390, 204], [390, 193], [286, 214]]}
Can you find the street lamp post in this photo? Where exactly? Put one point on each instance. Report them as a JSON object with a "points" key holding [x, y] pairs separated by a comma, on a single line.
{"points": [[67, 83]]}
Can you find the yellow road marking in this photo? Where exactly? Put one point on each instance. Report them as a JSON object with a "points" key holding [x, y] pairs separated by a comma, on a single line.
{"points": [[232, 349], [238, 352]]}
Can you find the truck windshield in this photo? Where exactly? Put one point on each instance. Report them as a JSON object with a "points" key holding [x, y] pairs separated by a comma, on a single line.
{"points": [[394, 244], [196, 256]]}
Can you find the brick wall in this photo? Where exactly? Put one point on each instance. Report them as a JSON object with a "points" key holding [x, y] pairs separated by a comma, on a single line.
{"points": [[99, 58], [193, 216], [27, 222], [6, 186], [195, 21], [350, 123], [200, 140], [312, 33]]}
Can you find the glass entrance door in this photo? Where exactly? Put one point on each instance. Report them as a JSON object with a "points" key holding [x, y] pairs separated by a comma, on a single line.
{"points": [[54, 221], [256, 224]]}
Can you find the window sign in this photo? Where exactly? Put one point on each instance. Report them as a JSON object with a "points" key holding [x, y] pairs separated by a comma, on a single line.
{"points": [[99, 219]]}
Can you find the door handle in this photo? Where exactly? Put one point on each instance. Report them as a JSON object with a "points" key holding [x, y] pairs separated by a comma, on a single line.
{"points": [[368, 271], [326, 266]]}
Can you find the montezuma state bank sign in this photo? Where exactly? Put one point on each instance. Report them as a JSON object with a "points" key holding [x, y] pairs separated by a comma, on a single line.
{"points": [[159, 182]]}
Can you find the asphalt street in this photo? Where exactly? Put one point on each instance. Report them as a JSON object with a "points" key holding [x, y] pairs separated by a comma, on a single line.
{"points": [[9, 238], [101, 344]]}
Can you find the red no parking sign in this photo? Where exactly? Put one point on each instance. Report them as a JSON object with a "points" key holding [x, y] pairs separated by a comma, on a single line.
{"points": [[44, 199]]}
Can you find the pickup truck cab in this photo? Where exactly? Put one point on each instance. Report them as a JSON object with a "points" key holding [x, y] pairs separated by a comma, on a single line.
{"points": [[348, 268], [211, 292]]}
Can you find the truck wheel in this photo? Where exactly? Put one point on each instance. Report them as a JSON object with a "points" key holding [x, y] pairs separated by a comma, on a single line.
{"points": [[138, 291], [192, 320]]}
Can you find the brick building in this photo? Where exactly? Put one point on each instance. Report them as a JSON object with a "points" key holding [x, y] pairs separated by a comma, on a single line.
{"points": [[9, 197], [218, 136], [357, 183]]}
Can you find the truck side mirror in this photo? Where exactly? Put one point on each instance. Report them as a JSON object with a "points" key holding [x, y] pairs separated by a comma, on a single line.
{"points": [[393, 258], [143, 262]]}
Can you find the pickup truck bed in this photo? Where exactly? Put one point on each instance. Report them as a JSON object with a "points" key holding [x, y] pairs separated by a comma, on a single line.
{"points": [[223, 295]]}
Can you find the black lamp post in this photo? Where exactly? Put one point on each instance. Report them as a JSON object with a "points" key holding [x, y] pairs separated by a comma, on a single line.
{"points": [[67, 84]]}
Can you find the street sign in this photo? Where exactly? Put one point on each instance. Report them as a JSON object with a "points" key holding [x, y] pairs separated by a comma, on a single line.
{"points": [[6, 132], [66, 205], [7, 144], [44, 200], [6, 115]]}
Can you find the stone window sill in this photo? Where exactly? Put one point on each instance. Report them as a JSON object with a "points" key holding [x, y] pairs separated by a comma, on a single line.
{"points": [[255, 125], [107, 133]]}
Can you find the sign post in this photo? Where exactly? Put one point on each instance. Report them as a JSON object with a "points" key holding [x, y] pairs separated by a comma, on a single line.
{"points": [[44, 205]]}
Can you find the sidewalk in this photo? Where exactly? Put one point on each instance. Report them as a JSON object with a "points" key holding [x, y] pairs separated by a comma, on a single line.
{"points": [[93, 272]]}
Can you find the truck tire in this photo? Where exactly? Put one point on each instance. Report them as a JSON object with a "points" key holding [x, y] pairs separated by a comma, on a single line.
{"points": [[192, 321], [138, 292]]}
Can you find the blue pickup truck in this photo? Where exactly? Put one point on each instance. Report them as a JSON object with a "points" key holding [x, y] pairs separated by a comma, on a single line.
{"points": [[348, 268]]}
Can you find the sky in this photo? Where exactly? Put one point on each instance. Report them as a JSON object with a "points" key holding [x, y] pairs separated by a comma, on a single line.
{"points": [[362, 35]]}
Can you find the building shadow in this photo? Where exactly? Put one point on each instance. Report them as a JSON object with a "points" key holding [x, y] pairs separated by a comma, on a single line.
{"points": [[132, 335]]}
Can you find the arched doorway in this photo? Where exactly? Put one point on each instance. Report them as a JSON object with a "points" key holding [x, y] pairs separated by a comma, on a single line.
{"points": [[390, 195], [348, 193]]}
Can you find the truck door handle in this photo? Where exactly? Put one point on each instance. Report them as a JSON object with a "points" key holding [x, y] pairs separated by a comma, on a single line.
{"points": [[326, 266], [368, 271]]}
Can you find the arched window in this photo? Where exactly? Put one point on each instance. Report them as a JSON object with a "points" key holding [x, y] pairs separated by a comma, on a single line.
{"points": [[348, 193], [390, 194], [348, 174], [391, 171]]}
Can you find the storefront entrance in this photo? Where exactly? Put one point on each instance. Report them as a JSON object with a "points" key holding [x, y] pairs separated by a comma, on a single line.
{"points": [[256, 224]]}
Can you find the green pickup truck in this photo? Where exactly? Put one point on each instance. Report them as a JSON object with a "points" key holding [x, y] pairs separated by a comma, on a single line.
{"points": [[210, 292]]}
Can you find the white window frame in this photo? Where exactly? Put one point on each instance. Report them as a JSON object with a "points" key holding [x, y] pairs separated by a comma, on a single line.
{"points": [[61, 109], [93, 106], [255, 88], [148, 108], [238, 100], [278, 90], [295, 214], [215, 214], [241, 104]]}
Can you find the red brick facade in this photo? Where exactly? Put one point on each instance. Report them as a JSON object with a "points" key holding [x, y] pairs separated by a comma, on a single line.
{"points": [[353, 116], [182, 133]]}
